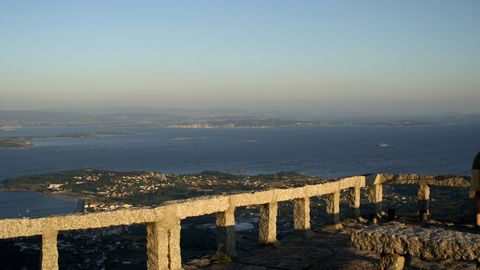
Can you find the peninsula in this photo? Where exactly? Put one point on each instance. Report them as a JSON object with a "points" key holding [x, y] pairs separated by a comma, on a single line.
{"points": [[107, 189], [29, 141]]}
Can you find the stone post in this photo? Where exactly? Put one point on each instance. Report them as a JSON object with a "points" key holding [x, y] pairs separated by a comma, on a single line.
{"points": [[268, 223], [333, 207], [301, 214], [354, 200], [226, 242], [163, 245], [49, 251], [423, 199], [174, 252], [157, 246], [375, 196]]}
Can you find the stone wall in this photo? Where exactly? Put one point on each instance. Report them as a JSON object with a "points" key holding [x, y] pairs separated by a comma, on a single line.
{"points": [[396, 241]]}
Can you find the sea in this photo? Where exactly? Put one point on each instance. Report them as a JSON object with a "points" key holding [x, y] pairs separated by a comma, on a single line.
{"points": [[327, 151]]}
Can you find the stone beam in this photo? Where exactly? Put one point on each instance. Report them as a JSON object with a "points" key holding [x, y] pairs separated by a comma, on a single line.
{"points": [[200, 206], [333, 207], [29, 227], [353, 181], [322, 189], [289, 194], [431, 180], [268, 223], [49, 251], [226, 241], [252, 198]]}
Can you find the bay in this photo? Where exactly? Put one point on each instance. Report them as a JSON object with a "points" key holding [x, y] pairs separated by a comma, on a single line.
{"points": [[330, 151], [19, 204]]}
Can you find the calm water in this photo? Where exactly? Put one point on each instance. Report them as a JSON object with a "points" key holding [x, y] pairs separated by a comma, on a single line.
{"points": [[326, 151], [14, 204]]}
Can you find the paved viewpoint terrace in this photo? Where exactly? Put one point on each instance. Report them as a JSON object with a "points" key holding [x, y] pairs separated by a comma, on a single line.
{"points": [[163, 222]]}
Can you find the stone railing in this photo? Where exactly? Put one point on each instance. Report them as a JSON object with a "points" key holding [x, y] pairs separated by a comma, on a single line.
{"points": [[423, 182], [163, 222]]}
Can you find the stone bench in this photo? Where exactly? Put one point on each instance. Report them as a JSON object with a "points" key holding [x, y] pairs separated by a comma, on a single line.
{"points": [[396, 240]]}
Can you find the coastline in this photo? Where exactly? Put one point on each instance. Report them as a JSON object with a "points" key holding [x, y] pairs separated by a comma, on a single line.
{"points": [[25, 142]]}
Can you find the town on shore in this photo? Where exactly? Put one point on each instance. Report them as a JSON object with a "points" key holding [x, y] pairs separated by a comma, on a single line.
{"points": [[107, 189]]}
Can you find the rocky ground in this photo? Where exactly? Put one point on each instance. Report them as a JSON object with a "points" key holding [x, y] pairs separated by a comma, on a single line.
{"points": [[328, 248]]}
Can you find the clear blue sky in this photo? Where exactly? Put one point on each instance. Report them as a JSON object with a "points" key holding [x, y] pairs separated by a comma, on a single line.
{"points": [[404, 56]]}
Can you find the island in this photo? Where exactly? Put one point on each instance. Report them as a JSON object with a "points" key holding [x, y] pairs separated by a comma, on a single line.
{"points": [[29, 141], [14, 142], [244, 122]]}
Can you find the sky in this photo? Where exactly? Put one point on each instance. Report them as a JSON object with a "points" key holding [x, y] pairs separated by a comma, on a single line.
{"points": [[377, 57]]}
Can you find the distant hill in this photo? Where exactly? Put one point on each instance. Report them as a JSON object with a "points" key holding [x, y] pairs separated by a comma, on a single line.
{"points": [[185, 118]]}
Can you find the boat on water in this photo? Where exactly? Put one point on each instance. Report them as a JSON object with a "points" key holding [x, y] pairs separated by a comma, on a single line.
{"points": [[383, 145]]}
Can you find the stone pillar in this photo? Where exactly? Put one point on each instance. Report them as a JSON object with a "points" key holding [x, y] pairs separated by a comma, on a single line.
{"points": [[333, 207], [49, 251], [392, 262], [301, 214], [375, 196], [226, 243], [268, 223], [163, 245], [157, 247], [423, 200], [174, 252], [354, 200]]}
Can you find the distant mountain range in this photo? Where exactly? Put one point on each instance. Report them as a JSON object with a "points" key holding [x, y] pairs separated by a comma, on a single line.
{"points": [[181, 118]]}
